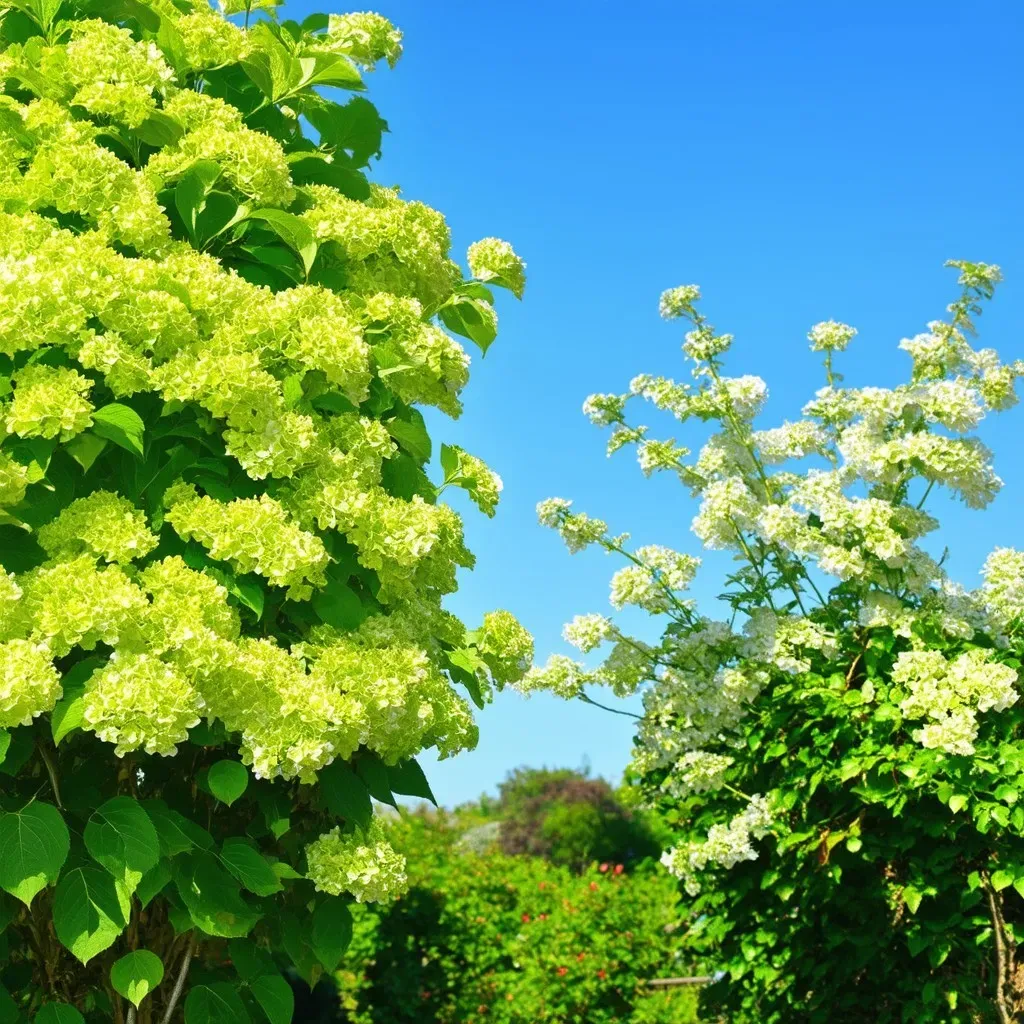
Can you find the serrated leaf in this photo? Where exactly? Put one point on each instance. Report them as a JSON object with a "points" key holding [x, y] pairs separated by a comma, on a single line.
{"points": [[227, 780], [407, 778], [332, 69], [249, 867], [275, 997], [471, 318], [90, 910], [346, 794], [332, 931], [121, 837], [120, 424], [34, 844], [137, 974], [912, 897], [292, 230], [957, 802]]}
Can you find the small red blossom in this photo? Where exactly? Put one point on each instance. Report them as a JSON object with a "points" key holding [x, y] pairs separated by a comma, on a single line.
{"points": [[602, 974], [562, 971], [593, 885], [580, 956], [542, 917], [603, 868], [526, 918], [619, 869]]}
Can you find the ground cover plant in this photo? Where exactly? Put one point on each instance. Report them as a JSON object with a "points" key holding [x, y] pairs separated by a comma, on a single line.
{"points": [[841, 756], [223, 558]]}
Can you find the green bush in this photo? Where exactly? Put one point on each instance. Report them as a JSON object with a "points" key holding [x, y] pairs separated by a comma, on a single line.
{"points": [[223, 559], [516, 940], [841, 758]]}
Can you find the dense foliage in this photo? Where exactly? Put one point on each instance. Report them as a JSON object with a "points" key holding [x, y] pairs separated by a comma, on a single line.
{"points": [[482, 936], [843, 757], [223, 559], [570, 819]]}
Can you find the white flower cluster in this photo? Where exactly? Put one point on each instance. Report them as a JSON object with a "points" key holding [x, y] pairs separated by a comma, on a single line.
{"points": [[725, 846], [950, 694], [362, 863]]}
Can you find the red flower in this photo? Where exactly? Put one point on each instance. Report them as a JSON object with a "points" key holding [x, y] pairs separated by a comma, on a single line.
{"points": [[542, 917], [602, 974], [580, 956], [603, 868], [593, 885], [562, 971], [618, 869], [526, 918]]}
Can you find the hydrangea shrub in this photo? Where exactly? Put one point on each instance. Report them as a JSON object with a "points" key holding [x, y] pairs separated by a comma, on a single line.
{"points": [[842, 756], [223, 556]]}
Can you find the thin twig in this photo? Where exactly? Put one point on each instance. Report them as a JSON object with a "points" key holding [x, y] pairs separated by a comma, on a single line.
{"points": [[1001, 972], [604, 707], [669, 982], [51, 769], [179, 985]]}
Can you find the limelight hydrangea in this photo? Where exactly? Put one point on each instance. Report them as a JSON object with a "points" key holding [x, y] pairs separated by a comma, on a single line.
{"points": [[243, 390], [361, 863], [492, 259], [49, 402], [831, 336], [137, 701], [677, 302], [29, 683], [104, 524]]}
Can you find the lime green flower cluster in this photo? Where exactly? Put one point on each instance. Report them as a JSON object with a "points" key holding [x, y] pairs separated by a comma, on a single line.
{"points": [[214, 334]]}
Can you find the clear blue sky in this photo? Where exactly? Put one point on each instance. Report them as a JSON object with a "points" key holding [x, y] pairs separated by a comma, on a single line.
{"points": [[801, 161]]}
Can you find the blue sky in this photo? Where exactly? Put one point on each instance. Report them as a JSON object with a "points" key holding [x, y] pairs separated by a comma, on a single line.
{"points": [[800, 161]]}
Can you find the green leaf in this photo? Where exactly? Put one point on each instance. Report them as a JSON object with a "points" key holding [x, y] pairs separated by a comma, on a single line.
{"points": [[339, 605], [957, 802], [227, 780], [355, 128], [159, 129], [407, 778], [276, 998], [332, 931], [345, 793], [212, 897], [912, 897], [90, 910], [321, 169], [1018, 884], [471, 318], [67, 713], [5, 742], [120, 424], [412, 436], [293, 231], [152, 884], [374, 773], [135, 975], [249, 960], [177, 834], [330, 69], [86, 448], [192, 190], [1002, 879], [120, 836], [21, 746], [34, 843], [58, 1013], [216, 1003], [249, 867]]}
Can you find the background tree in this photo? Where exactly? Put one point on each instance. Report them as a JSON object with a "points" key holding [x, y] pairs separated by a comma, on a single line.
{"points": [[567, 818]]}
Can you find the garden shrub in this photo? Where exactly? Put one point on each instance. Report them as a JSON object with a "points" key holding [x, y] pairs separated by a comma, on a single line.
{"points": [[485, 937], [841, 757], [223, 558]]}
